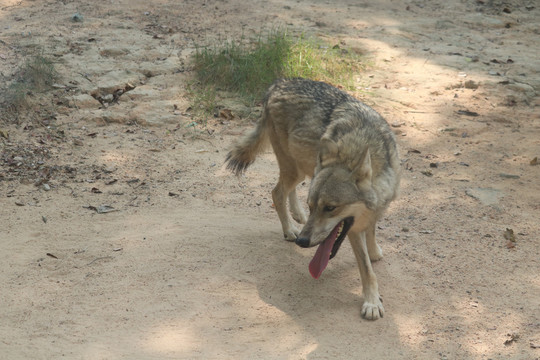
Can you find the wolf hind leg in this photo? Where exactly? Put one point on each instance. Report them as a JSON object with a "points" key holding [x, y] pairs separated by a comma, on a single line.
{"points": [[297, 211], [289, 177], [374, 250], [279, 196]]}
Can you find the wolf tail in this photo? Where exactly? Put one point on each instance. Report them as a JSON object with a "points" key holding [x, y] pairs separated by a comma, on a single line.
{"points": [[246, 150]]}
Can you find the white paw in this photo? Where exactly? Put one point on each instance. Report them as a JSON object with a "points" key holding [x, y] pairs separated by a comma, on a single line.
{"points": [[291, 234], [372, 310], [375, 254]]}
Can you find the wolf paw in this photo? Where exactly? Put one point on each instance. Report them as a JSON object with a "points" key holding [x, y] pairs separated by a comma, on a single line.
{"points": [[291, 234], [372, 310], [375, 254]]}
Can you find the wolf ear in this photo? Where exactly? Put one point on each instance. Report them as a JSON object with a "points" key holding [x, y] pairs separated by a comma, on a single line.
{"points": [[363, 171], [328, 152]]}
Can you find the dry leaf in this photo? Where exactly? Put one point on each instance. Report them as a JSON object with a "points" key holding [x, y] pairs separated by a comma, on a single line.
{"points": [[226, 114], [509, 235], [512, 339]]}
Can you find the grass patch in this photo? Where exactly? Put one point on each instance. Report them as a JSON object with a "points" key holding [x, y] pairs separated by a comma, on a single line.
{"points": [[37, 74], [247, 68]]}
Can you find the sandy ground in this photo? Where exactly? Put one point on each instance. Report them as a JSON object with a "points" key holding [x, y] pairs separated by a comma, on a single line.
{"points": [[122, 236]]}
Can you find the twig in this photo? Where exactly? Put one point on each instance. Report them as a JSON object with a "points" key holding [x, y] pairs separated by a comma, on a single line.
{"points": [[99, 258]]}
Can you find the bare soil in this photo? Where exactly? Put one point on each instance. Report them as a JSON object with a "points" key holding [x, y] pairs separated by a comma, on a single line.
{"points": [[122, 236]]}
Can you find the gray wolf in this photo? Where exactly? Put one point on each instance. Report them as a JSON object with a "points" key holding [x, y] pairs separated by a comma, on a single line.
{"points": [[350, 153]]}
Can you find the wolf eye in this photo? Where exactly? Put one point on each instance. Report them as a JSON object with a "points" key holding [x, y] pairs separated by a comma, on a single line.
{"points": [[329, 208]]}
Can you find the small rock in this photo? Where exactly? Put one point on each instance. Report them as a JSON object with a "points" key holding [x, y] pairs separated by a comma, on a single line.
{"points": [[108, 98], [109, 169], [46, 187], [103, 209], [77, 17]]}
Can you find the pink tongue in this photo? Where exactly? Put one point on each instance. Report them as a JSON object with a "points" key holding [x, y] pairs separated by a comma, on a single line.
{"points": [[322, 256]]}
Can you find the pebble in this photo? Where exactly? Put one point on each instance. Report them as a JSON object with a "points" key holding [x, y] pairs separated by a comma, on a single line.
{"points": [[108, 98], [77, 17]]}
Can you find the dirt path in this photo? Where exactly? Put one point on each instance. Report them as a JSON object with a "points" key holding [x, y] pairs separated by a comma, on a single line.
{"points": [[122, 237]]}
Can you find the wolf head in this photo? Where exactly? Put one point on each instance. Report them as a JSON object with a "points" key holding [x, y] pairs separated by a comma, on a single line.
{"points": [[340, 199]]}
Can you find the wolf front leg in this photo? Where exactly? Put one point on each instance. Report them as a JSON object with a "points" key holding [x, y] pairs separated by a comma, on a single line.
{"points": [[372, 309], [374, 250]]}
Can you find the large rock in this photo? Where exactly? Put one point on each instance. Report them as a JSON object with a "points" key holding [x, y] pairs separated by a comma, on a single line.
{"points": [[83, 101], [114, 80], [486, 196]]}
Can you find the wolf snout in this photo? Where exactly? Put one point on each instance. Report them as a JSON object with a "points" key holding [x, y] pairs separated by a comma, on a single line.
{"points": [[302, 242]]}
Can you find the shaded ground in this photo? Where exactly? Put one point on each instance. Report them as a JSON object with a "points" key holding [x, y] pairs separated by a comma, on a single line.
{"points": [[186, 261]]}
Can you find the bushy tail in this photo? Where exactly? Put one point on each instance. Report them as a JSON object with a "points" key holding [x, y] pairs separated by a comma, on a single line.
{"points": [[246, 149]]}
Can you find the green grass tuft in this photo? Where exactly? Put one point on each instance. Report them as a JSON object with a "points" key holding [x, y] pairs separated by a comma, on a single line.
{"points": [[37, 74], [248, 68]]}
